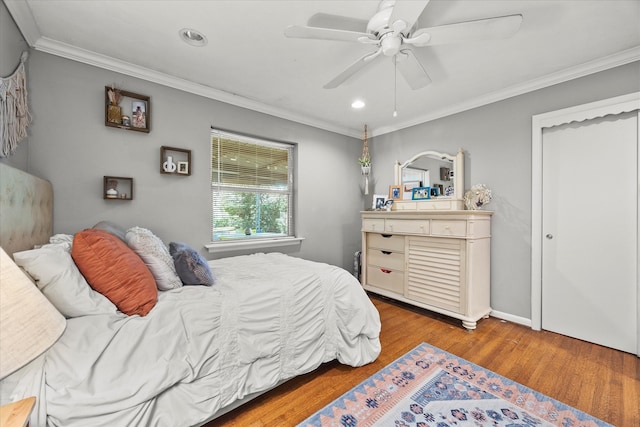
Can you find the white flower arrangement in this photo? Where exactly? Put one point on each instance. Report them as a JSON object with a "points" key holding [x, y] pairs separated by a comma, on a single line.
{"points": [[477, 197]]}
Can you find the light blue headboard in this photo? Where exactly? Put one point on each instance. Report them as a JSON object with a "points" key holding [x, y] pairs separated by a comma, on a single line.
{"points": [[26, 210]]}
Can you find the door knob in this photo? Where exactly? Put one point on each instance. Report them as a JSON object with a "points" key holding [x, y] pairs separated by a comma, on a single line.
{"points": [[549, 236]]}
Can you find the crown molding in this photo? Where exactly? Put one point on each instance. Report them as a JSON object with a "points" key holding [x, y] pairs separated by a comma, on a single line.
{"points": [[601, 64], [108, 63], [21, 13], [23, 17]]}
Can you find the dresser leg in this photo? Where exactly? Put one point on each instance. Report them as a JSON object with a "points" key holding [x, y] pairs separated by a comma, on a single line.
{"points": [[470, 325]]}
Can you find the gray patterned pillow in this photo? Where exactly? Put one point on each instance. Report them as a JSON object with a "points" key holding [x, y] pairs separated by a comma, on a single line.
{"points": [[190, 265], [155, 255]]}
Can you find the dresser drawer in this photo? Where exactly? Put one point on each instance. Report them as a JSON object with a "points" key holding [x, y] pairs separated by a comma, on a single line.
{"points": [[411, 226], [385, 242], [454, 228], [391, 280], [437, 205], [404, 206], [386, 259], [370, 224]]}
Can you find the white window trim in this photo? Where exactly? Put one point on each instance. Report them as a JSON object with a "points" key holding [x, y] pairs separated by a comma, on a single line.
{"points": [[240, 245], [254, 244]]}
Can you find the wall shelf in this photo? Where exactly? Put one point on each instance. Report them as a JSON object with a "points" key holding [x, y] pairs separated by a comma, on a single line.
{"points": [[133, 111], [175, 161], [123, 187]]}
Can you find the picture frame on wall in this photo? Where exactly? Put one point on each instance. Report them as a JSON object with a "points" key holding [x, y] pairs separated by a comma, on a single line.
{"points": [[139, 114], [421, 193], [183, 168], [395, 192], [379, 201]]}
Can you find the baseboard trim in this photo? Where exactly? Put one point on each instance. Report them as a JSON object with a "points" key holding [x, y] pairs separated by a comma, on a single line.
{"points": [[511, 318]]}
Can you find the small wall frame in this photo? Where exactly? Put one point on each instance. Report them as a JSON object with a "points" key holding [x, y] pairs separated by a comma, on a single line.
{"points": [[117, 188], [175, 161], [132, 111]]}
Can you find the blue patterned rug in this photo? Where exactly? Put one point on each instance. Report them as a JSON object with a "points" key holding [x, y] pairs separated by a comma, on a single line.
{"points": [[430, 387]]}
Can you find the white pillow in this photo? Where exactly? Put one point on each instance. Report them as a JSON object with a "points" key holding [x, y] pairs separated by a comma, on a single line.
{"points": [[156, 256], [59, 279]]}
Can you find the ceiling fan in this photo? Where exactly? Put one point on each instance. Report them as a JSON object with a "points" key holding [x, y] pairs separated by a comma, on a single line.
{"points": [[392, 31]]}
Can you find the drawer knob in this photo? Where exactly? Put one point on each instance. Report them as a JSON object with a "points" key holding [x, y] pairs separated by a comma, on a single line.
{"points": [[385, 271], [386, 252]]}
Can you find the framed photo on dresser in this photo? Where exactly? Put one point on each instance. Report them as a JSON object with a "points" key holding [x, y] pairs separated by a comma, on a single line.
{"points": [[379, 201]]}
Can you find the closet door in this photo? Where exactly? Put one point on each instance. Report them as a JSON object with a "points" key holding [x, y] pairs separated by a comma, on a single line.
{"points": [[589, 224]]}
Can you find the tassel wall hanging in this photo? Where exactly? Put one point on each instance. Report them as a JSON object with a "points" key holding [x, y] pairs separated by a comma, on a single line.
{"points": [[365, 161], [14, 109]]}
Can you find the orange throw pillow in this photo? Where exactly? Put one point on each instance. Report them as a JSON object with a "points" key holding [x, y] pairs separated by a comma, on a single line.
{"points": [[114, 270]]}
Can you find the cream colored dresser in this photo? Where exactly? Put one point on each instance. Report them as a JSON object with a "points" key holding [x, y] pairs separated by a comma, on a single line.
{"points": [[438, 260]]}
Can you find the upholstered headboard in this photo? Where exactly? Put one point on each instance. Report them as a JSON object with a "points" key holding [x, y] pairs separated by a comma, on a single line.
{"points": [[26, 210]]}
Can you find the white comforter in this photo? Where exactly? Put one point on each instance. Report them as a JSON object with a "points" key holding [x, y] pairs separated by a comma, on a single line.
{"points": [[268, 318]]}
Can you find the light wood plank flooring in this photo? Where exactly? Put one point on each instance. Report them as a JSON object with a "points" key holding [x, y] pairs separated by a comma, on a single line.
{"points": [[600, 381]]}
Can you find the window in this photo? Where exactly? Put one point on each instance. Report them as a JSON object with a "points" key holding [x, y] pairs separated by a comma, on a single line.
{"points": [[252, 188]]}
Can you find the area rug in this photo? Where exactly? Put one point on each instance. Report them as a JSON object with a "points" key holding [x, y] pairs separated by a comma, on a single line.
{"points": [[430, 387]]}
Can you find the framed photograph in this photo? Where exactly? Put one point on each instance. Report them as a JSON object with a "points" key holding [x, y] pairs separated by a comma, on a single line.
{"points": [[139, 113], [410, 185], [395, 192], [421, 193], [434, 192], [379, 201], [183, 168], [445, 174]]}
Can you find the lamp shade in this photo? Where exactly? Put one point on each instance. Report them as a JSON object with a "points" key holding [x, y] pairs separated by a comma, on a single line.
{"points": [[29, 324]]}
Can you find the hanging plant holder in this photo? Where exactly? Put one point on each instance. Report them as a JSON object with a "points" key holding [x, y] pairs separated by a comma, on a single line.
{"points": [[365, 161]]}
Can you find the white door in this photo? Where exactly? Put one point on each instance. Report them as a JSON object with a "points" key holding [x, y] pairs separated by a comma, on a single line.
{"points": [[589, 226]]}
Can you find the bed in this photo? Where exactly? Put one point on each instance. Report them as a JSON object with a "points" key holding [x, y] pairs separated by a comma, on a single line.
{"points": [[198, 352]]}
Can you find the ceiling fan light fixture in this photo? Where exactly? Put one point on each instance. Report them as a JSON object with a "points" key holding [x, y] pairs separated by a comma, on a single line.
{"points": [[357, 104], [193, 37]]}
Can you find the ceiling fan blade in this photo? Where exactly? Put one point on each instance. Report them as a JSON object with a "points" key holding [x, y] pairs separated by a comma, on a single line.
{"points": [[408, 11], [337, 22], [412, 70], [300, 32], [482, 29], [362, 62]]}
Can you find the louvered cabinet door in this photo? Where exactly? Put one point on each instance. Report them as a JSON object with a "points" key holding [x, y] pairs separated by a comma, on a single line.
{"points": [[436, 272]]}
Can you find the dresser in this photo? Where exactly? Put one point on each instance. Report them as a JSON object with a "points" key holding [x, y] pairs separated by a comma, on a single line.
{"points": [[437, 260]]}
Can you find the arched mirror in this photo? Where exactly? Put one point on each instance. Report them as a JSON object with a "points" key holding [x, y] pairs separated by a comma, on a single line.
{"points": [[439, 178]]}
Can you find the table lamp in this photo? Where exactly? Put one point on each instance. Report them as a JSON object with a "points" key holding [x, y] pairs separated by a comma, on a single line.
{"points": [[29, 323]]}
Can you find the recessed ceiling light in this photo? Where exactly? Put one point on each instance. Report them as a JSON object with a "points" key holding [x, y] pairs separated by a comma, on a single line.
{"points": [[357, 104], [193, 37]]}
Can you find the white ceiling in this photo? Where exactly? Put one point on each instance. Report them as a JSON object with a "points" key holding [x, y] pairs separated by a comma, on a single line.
{"points": [[249, 62]]}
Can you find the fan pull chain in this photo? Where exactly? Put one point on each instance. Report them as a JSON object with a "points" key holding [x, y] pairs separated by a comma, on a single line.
{"points": [[395, 86]]}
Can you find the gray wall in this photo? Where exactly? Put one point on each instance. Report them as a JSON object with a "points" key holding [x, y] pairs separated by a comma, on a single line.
{"points": [[497, 143], [69, 145]]}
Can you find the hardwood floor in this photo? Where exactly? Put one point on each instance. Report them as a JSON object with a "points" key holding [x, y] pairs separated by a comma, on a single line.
{"points": [[597, 380]]}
